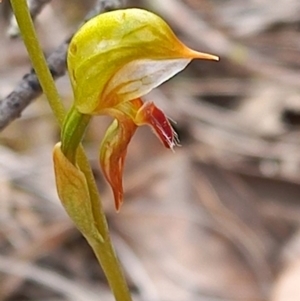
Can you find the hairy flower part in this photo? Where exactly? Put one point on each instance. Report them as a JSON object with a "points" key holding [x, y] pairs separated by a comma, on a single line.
{"points": [[114, 60], [153, 116], [114, 145]]}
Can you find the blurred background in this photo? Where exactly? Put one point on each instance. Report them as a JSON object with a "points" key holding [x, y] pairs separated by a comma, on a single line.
{"points": [[219, 219]]}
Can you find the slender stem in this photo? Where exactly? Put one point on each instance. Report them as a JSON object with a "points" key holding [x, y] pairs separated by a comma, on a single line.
{"points": [[37, 57], [72, 133], [113, 274], [103, 251]]}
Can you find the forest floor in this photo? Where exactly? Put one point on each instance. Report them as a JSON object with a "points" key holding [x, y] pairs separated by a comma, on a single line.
{"points": [[219, 219]]}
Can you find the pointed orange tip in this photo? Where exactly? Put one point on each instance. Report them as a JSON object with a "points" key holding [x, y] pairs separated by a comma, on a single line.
{"points": [[201, 55], [118, 196]]}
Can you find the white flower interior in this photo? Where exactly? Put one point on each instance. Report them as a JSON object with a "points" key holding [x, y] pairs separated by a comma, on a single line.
{"points": [[139, 77]]}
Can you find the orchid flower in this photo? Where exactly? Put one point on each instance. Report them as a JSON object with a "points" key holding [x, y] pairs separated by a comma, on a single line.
{"points": [[113, 60]]}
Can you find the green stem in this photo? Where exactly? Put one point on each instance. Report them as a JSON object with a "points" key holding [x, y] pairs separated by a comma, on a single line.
{"points": [[37, 57], [103, 251], [110, 266], [72, 133]]}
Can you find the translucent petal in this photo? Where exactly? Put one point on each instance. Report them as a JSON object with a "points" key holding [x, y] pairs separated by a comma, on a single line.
{"points": [[139, 77]]}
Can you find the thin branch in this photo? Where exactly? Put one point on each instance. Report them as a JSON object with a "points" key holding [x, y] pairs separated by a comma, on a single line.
{"points": [[29, 88]]}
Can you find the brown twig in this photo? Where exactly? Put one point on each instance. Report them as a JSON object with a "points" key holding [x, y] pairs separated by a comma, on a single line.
{"points": [[29, 88]]}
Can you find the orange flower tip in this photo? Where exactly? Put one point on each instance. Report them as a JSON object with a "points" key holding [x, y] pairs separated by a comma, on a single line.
{"points": [[115, 182], [118, 196], [202, 55], [112, 155]]}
